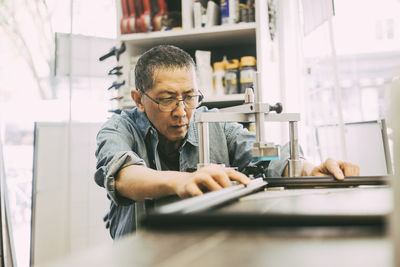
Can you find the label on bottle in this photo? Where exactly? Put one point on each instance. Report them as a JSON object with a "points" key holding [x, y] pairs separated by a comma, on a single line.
{"points": [[231, 82], [225, 11], [246, 79]]}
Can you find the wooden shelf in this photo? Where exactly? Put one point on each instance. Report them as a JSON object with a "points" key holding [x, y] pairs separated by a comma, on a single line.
{"points": [[241, 33]]}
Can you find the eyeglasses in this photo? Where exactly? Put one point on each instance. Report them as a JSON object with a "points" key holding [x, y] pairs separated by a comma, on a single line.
{"points": [[170, 104]]}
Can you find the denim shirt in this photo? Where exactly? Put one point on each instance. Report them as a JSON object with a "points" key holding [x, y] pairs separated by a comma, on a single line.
{"points": [[131, 139]]}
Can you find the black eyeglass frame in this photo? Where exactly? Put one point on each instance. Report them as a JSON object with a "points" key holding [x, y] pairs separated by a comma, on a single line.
{"points": [[200, 95]]}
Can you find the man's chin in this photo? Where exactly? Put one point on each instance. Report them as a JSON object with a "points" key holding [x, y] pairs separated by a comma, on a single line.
{"points": [[177, 136]]}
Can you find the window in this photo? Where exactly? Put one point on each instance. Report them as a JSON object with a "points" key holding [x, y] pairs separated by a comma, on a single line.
{"points": [[30, 91]]}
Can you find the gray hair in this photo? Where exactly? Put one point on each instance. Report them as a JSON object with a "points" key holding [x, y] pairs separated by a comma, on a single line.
{"points": [[167, 57]]}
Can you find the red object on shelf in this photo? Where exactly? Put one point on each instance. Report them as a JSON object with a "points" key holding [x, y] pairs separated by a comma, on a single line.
{"points": [[161, 16], [125, 16], [145, 16], [139, 20], [132, 17]]}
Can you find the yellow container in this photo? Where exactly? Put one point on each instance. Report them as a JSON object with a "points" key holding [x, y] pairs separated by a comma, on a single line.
{"points": [[248, 61], [232, 76]]}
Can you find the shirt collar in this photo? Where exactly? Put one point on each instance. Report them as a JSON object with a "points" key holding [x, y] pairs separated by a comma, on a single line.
{"points": [[145, 126], [141, 120]]}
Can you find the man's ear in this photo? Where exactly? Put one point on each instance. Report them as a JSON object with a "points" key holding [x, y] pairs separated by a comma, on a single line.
{"points": [[137, 96]]}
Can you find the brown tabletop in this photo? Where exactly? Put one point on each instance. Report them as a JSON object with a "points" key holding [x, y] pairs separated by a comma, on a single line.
{"points": [[247, 246]]}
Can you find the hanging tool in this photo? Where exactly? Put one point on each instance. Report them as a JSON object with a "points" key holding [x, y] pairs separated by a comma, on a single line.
{"points": [[115, 71], [118, 98], [114, 52], [116, 85]]}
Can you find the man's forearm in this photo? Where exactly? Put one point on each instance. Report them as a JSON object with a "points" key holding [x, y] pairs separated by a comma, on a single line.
{"points": [[139, 182]]}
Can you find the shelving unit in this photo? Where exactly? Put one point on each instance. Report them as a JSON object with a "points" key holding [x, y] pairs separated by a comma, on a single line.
{"points": [[241, 33], [232, 41]]}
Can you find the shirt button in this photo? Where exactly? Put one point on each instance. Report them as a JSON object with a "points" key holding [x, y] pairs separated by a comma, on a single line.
{"points": [[151, 131]]}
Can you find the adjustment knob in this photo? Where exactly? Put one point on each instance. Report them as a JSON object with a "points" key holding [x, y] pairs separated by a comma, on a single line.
{"points": [[277, 108]]}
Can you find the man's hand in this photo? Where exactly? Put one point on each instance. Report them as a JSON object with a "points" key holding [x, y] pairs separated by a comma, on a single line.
{"points": [[209, 178], [338, 169]]}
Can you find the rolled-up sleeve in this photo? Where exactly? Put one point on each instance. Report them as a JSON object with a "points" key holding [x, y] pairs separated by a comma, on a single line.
{"points": [[115, 151]]}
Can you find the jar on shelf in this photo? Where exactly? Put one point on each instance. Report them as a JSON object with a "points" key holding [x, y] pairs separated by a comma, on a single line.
{"points": [[219, 78], [251, 10], [232, 76], [248, 68]]}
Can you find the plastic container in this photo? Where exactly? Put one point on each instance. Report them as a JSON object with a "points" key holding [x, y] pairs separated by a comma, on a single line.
{"points": [[248, 66], [219, 78], [244, 13], [229, 11], [204, 72], [232, 76], [251, 10]]}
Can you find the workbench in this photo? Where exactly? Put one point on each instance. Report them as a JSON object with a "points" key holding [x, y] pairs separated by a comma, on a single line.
{"points": [[270, 245]]}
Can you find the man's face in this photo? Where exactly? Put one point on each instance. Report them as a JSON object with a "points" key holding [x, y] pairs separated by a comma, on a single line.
{"points": [[177, 83]]}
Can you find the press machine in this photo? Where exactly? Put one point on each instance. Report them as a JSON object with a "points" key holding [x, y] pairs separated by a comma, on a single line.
{"points": [[253, 110]]}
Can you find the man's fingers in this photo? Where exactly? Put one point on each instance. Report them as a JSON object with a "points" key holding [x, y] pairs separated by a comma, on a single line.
{"points": [[238, 176], [208, 182], [333, 167], [349, 169], [357, 171], [222, 177], [318, 172], [191, 190]]}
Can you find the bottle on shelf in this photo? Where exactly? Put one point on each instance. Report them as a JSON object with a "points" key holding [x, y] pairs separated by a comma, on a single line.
{"points": [[244, 12], [232, 76], [229, 11], [248, 68], [219, 78], [251, 5], [204, 72]]}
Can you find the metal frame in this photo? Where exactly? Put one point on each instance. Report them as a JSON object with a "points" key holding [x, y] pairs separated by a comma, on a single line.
{"points": [[258, 112]]}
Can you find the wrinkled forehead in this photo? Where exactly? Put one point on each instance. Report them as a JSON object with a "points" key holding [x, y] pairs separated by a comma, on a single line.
{"points": [[174, 69]]}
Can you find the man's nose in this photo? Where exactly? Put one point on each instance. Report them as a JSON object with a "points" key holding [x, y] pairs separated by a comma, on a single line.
{"points": [[180, 109]]}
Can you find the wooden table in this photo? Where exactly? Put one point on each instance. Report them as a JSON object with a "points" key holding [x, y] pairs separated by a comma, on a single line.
{"points": [[269, 246]]}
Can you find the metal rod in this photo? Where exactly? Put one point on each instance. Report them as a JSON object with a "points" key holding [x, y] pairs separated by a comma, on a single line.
{"points": [[294, 142], [204, 144], [295, 164], [388, 159], [259, 116]]}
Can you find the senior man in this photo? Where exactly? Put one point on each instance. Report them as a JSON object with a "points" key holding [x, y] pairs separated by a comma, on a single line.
{"points": [[151, 151]]}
